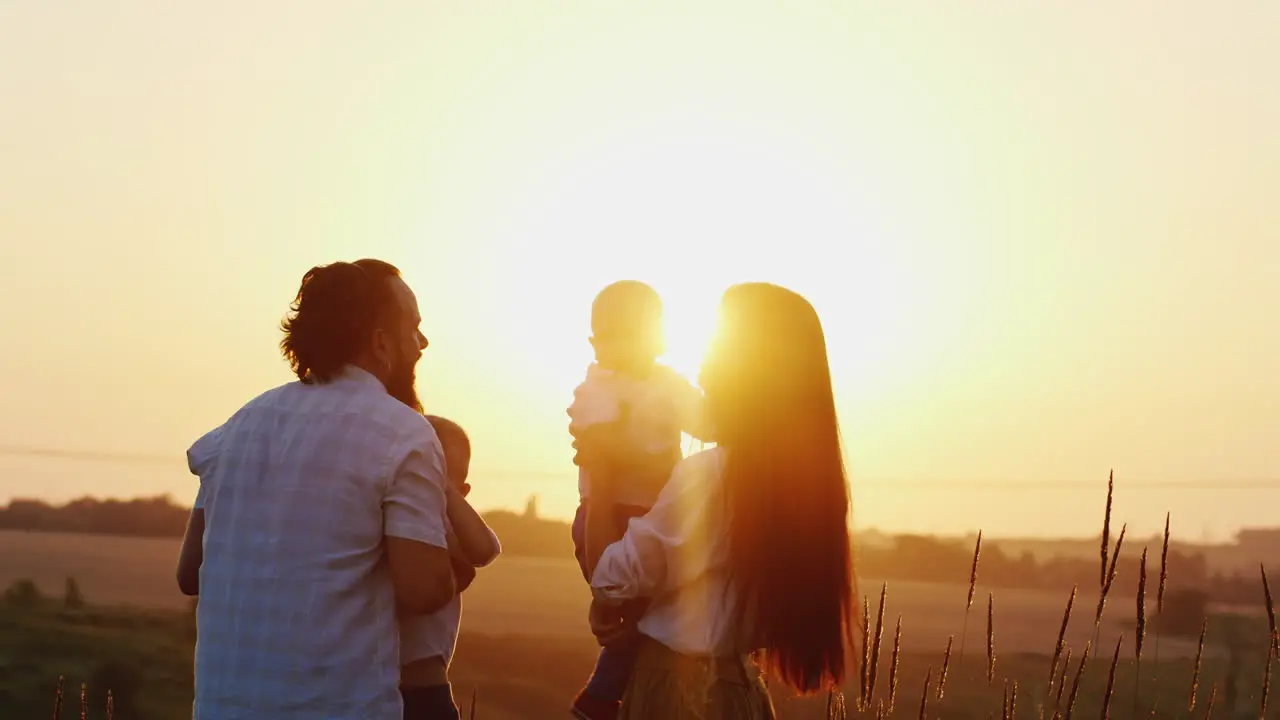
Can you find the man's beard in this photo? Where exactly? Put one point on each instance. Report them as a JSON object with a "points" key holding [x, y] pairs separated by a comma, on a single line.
{"points": [[401, 385]]}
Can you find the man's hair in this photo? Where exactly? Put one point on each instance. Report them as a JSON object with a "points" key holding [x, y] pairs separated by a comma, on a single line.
{"points": [[334, 314], [625, 307]]}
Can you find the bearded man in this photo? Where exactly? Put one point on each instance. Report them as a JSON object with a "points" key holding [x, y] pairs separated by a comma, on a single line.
{"points": [[321, 514]]}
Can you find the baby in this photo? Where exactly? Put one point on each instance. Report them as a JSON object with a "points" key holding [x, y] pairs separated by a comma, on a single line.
{"points": [[627, 418], [427, 641]]}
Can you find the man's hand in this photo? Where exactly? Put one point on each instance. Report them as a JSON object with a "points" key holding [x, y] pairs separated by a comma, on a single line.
{"points": [[608, 624]]}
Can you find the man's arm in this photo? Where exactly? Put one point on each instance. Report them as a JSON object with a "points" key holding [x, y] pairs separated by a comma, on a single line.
{"points": [[414, 528], [192, 554], [201, 458]]}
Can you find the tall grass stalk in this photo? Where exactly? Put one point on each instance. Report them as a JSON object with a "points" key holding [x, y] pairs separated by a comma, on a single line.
{"points": [[1075, 684], [875, 650], [1213, 696], [1062, 682], [1140, 632], [1062, 636], [1164, 576], [1266, 687], [1111, 680], [924, 694], [1106, 586], [973, 586], [1271, 613], [57, 697], [1106, 531], [1195, 669], [991, 639], [864, 675], [946, 663], [893, 665]]}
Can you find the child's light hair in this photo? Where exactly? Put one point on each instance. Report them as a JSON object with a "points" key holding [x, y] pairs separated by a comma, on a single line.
{"points": [[626, 307]]}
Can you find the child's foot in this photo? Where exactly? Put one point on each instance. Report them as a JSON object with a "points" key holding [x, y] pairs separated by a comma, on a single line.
{"points": [[587, 707]]}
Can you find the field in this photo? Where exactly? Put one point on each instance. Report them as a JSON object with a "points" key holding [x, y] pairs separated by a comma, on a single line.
{"points": [[525, 647]]}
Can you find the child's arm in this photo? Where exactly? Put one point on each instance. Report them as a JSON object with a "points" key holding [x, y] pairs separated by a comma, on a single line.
{"points": [[477, 544], [464, 573]]}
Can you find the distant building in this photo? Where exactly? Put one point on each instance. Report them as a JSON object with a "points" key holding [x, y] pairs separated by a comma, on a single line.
{"points": [[1262, 543]]}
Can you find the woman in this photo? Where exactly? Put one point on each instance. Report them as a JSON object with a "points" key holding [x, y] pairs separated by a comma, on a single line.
{"points": [[748, 547]]}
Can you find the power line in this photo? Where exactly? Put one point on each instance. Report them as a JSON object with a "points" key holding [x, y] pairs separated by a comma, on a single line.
{"points": [[1029, 485], [88, 455]]}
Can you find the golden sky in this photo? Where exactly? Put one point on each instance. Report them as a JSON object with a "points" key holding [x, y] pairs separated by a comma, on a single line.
{"points": [[1043, 237]]}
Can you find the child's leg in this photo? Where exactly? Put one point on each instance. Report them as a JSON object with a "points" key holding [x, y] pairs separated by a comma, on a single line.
{"points": [[609, 679], [615, 663], [579, 532], [613, 671], [432, 702]]}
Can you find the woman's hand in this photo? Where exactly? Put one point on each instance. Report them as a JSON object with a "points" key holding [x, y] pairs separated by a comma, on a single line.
{"points": [[608, 623]]}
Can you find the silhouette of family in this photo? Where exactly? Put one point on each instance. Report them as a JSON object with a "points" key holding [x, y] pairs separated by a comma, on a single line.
{"points": [[331, 537]]}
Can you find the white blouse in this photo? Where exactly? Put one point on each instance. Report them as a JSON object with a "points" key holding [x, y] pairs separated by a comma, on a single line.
{"points": [[677, 555]]}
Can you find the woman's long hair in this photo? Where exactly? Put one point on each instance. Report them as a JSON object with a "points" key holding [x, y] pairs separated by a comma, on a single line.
{"points": [[768, 389]]}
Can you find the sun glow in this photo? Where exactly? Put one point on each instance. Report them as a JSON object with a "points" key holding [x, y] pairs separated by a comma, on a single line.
{"points": [[691, 206]]}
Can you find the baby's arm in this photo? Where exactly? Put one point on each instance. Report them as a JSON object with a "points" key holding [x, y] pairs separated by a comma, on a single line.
{"points": [[464, 573], [475, 541]]}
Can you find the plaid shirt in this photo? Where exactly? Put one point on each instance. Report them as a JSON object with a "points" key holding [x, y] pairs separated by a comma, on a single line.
{"points": [[297, 614]]}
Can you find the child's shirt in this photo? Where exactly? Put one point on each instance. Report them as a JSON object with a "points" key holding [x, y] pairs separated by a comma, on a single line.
{"points": [[424, 636], [659, 408]]}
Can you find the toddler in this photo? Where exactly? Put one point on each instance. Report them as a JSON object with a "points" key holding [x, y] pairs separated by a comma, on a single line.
{"points": [[627, 418]]}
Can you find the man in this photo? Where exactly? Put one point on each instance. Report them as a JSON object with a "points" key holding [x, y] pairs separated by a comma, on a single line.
{"points": [[320, 515]]}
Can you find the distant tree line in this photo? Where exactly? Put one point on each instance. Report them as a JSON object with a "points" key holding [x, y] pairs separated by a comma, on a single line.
{"points": [[140, 517], [905, 557]]}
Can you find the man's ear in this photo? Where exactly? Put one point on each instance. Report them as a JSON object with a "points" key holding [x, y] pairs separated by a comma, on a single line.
{"points": [[381, 347]]}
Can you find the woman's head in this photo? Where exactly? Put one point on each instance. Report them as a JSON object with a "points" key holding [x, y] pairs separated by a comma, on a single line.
{"points": [[768, 389]]}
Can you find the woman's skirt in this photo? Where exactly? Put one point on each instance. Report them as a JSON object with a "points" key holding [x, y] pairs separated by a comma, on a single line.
{"points": [[666, 685]]}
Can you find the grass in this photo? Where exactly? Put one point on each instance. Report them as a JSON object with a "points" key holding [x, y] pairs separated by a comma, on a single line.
{"points": [[144, 658]]}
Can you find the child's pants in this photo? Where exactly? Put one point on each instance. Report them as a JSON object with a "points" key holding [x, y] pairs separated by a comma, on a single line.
{"points": [[613, 666]]}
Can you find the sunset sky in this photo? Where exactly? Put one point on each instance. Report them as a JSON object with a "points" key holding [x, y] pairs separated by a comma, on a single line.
{"points": [[1043, 237]]}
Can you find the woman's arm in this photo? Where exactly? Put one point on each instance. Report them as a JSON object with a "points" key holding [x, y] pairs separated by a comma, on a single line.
{"points": [[675, 543], [600, 454], [476, 543]]}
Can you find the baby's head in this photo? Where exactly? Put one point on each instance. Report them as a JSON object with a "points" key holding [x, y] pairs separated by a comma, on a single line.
{"points": [[626, 326], [457, 451]]}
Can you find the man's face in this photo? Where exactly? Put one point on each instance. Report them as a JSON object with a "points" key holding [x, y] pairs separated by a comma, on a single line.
{"points": [[404, 346]]}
